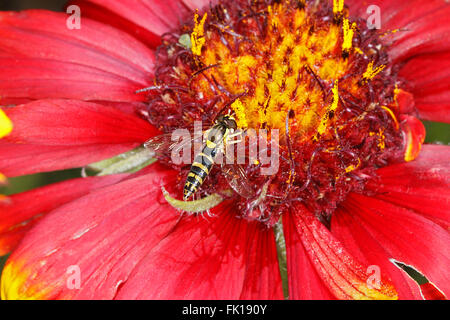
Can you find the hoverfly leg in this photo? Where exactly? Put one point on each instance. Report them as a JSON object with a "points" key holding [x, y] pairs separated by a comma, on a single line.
{"points": [[238, 133], [211, 215], [232, 141]]}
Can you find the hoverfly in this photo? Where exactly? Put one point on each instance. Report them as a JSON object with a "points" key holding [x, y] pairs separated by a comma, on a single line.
{"points": [[216, 138]]}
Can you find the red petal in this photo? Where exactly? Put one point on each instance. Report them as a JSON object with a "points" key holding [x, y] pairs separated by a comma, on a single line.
{"points": [[357, 240], [304, 282], [344, 276], [198, 4], [424, 25], [405, 102], [144, 19], [430, 292], [395, 13], [137, 231], [67, 133], [17, 216], [71, 122], [17, 159], [262, 279], [406, 236], [429, 78], [425, 28], [222, 258], [428, 33], [422, 185], [42, 58], [105, 233]]}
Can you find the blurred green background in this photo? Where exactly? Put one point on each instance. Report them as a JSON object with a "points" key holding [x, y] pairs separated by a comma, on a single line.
{"points": [[436, 132]]}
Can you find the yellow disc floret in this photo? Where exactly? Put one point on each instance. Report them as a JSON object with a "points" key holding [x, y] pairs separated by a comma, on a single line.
{"points": [[287, 71]]}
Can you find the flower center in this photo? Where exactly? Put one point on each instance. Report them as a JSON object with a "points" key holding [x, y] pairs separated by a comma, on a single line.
{"points": [[277, 69], [300, 67]]}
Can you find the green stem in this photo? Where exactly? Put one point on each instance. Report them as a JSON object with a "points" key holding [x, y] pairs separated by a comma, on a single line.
{"points": [[130, 162], [281, 253]]}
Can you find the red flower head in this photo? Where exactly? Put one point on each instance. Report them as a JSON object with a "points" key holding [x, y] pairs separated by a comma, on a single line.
{"points": [[354, 198]]}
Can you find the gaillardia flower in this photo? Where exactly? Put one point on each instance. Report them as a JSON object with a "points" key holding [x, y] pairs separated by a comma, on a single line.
{"points": [[356, 196]]}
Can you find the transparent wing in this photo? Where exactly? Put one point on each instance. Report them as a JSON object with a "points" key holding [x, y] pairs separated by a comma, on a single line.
{"points": [[163, 145], [238, 180]]}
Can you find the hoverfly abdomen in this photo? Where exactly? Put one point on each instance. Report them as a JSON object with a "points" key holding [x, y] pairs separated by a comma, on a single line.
{"points": [[204, 161], [200, 169]]}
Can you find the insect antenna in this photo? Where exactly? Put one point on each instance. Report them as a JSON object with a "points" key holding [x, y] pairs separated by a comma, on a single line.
{"points": [[159, 88], [200, 71]]}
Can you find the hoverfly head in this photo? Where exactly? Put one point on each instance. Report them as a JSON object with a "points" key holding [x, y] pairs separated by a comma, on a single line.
{"points": [[228, 121]]}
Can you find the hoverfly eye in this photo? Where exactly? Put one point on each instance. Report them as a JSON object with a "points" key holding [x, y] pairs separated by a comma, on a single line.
{"points": [[232, 124]]}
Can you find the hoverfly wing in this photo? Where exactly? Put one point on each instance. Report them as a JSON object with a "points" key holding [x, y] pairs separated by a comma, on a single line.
{"points": [[238, 180], [163, 145]]}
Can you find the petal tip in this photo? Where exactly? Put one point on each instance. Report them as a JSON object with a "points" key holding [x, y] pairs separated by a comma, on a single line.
{"points": [[6, 124], [14, 284], [414, 132]]}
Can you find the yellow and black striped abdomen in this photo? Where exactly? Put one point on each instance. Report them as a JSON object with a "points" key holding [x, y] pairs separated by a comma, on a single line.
{"points": [[200, 169], [204, 161]]}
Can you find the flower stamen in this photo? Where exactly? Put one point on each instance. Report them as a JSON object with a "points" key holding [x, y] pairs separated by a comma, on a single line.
{"points": [[198, 35], [371, 73], [348, 35]]}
